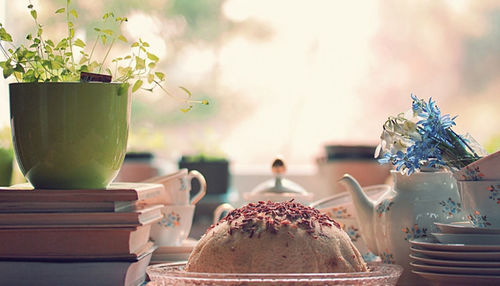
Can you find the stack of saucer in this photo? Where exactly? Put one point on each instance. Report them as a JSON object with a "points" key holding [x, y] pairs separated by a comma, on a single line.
{"points": [[459, 254]]}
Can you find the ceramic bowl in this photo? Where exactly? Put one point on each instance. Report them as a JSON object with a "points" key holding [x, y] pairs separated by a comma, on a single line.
{"points": [[486, 168], [481, 202]]}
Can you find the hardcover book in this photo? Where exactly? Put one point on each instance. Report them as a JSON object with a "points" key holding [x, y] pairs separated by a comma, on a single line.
{"points": [[143, 216], [72, 242], [127, 272], [118, 197]]}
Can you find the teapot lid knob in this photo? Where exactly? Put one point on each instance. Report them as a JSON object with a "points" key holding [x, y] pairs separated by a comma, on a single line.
{"points": [[278, 166]]}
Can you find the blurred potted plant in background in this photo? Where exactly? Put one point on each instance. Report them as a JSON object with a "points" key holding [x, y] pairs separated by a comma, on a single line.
{"points": [[69, 123]]}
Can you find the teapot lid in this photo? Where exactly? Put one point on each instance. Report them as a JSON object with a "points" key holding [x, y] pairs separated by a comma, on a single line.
{"points": [[278, 185]]}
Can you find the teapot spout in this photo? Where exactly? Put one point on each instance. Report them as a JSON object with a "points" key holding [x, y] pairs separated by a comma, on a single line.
{"points": [[365, 209]]}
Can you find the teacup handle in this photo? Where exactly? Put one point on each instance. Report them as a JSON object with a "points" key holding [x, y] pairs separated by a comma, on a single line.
{"points": [[203, 186], [220, 210]]}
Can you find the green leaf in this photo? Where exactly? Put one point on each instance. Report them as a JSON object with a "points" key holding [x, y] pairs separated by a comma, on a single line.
{"points": [[160, 75], [79, 43], [60, 10], [152, 57], [124, 71], [122, 38], [4, 36], [83, 60], [151, 77], [74, 13], [33, 14], [137, 85], [103, 39], [108, 32], [62, 44], [204, 102], [135, 44], [140, 63], [93, 65], [50, 43], [7, 71], [55, 65], [187, 109], [185, 90]]}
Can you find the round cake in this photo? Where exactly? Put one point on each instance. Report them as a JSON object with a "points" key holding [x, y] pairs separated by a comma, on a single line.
{"points": [[275, 237]]}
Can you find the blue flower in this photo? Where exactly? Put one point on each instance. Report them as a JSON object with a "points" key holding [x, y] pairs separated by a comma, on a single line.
{"points": [[427, 138]]}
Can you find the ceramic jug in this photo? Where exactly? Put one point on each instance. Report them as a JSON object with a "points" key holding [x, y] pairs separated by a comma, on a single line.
{"points": [[406, 211]]}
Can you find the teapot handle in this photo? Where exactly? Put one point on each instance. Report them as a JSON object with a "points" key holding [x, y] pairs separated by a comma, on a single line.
{"points": [[220, 210]]}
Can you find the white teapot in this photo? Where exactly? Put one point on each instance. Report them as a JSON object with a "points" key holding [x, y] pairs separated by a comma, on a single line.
{"points": [[406, 211], [276, 189]]}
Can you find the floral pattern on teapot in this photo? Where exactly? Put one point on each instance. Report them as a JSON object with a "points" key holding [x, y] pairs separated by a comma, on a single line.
{"points": [[450, 207], [387, 257], [384, 206]]}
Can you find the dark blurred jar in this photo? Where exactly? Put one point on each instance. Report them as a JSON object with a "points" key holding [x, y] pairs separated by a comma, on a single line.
{"points": [[215, 171]]}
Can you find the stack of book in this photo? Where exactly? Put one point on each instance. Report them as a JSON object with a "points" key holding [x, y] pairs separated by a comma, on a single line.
{"points": [[77, 237]]}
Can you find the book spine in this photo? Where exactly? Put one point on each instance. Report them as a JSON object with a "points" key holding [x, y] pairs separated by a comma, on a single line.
{"points": [[71, 242]]}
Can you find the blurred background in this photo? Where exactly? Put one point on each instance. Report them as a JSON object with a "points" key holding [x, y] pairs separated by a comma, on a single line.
{"points": [[294, 77]]}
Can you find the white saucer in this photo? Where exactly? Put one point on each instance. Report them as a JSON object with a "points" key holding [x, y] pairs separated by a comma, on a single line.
{"points": [[458, 255], [460, 263], [426, 243], [459, 279], [468, 239], [465, 227], [455, 269], [186, 247], [165, 254]]}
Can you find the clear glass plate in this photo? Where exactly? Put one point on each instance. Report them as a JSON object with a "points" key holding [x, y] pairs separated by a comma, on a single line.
{"points": [[174, 274]]}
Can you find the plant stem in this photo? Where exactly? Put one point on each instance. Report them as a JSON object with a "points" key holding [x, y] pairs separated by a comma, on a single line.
{"points": [[93, 48], [70, 37], [106, 55]]}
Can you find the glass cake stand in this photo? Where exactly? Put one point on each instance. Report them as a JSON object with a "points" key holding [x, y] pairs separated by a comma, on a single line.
{"points": [[174, 274]]}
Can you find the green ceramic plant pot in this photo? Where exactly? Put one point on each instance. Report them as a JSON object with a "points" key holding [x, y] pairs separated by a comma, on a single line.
{"points": [[69, 135]]}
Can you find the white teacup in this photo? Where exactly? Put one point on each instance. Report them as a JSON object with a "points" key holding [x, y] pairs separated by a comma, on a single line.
{"points": [[481, 202], [174, 227], [178, 186]]}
